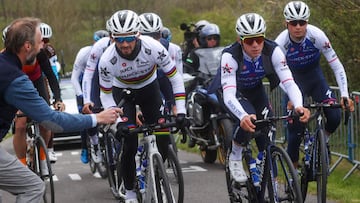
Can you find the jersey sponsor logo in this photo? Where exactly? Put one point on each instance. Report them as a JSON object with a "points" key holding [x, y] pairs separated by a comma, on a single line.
{"points": [[226, 68], [126, 69], [162, 55], [93, 56], [113, 60], [103, 71], [141, 63], [123, 64], [148, 51], [327, 45]]}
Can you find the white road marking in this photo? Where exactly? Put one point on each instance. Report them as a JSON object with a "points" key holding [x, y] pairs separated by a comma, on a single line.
{"points": [[74, 176]]}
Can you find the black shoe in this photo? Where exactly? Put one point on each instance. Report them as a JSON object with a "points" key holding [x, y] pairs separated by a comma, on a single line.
{"points": [[191, 143]]}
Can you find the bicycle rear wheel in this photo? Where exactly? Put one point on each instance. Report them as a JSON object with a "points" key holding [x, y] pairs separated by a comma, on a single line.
{"points": [[321, 166], [158, 187], [224, 132], [113, 151], [47, 177], [283, 182], [175, 176]]}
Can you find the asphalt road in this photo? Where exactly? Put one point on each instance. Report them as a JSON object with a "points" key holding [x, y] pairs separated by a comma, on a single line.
{"points": [[75, 183]]}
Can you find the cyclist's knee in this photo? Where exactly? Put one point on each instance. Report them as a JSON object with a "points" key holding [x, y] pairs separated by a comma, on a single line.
{"points": [[333, 119]]}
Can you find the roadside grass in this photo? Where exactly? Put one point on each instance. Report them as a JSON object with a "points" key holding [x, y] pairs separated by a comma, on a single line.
{"points": [[342, 191], [339, 190]]}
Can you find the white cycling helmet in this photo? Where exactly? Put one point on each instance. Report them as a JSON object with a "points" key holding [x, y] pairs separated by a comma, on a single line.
{"points": [[109, 26], [125, 22], [250, 24], [45, 30], [4, 33], [296, 10], [150, 23]]}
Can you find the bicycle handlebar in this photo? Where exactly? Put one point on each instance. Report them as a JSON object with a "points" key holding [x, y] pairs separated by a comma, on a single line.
{"points": [[147, 128], [322, 105]]}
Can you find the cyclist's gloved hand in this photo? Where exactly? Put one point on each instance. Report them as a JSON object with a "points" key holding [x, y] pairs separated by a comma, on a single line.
{"points": [[59, 106], [181, 121]]}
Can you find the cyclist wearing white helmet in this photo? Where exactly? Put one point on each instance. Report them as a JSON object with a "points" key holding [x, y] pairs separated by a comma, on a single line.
{"points": [[46, 32], [303, 44], [131, 63], [243, 66], [151, 25], [77, 76]]}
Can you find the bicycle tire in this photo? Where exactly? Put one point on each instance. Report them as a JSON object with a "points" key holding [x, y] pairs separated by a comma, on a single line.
{"points": [[113, 151], [49, 194], [224, 132], [304, 179], [173, 143], [92, 164], [321, 166], [160, 184], [284, 184], [175, 176], [101, 167]]}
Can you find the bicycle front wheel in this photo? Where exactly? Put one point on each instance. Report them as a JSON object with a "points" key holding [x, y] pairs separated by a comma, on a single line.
{"points": [[113, 152], [321, 161], [158, 188], [46, 176], [239, 192], [283, 181], [175, 176]]}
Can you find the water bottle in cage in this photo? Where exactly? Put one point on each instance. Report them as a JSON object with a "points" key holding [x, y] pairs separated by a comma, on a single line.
{"points": [[307, 145], [140, 174], [260, 163], [254, 172]]}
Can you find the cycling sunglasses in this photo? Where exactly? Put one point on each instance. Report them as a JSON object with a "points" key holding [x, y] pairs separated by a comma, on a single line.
{"points": [[125, 39], [249, 40], [296, 22]]}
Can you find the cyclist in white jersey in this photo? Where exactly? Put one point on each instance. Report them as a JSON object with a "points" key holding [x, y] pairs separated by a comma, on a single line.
{"points": [[303, 44], [174, 49], [77, 78], [131, 63], [243, 66]]}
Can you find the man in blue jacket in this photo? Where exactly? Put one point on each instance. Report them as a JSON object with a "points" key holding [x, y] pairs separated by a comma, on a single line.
{"points": [[23, 42]]}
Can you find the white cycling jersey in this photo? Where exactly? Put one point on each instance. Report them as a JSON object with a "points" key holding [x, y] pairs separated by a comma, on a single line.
{"points": [[306, 54], [117, 71], [252, 73], [79, 68], [97, 50], [176, 55]]}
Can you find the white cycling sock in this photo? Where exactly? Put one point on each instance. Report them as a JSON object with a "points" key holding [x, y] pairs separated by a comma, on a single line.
{"points": [[236, 152], [50, 149], [130, 194]]}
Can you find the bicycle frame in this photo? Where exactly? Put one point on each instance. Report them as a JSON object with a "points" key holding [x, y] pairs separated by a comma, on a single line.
{"points": [[34, 144], [319, 161], [278, 179]]}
